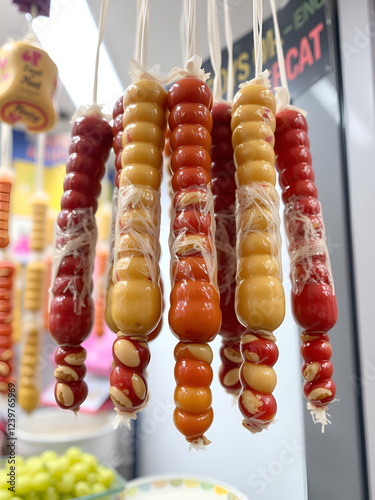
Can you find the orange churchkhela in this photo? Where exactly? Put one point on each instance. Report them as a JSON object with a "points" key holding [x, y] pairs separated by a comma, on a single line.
{"points": [[194, 315]]}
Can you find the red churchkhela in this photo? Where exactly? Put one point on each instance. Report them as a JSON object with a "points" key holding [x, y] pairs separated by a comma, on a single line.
{"points": [[71, 312], [313, 296]]}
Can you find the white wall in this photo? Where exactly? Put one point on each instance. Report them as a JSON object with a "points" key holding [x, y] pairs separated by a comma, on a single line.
{"points": [[357, 51]]}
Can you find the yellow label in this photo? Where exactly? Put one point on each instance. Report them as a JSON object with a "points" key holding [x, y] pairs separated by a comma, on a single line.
{"points": [[28, 80]]}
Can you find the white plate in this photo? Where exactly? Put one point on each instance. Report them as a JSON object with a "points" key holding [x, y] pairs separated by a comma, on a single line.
{"points": [[179, 488]]}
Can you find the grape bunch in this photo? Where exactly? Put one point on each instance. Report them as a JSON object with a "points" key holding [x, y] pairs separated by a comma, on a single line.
{"points": [[50, 476]]}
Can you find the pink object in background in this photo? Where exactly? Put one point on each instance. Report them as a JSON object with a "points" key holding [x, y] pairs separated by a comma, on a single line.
{"points": [[99, 353]]}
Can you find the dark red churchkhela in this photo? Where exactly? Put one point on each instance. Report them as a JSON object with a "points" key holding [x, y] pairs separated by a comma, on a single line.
{"points": [[71, 312], [224, 191]]}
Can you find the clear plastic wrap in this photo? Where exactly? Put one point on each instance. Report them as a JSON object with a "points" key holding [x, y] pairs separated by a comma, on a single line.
{"points": [[257, 212], [109, 271], [187, 241], [310, 244], [140, 224], [79, 240]]}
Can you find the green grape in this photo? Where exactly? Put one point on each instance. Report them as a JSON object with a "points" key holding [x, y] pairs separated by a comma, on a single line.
{"points": [[6, 495], [79, 470], [92, 478], [50, 494], [16, 498], [41, 481], [34, 465], [54, 468], [106, 475], [3, 480], [66, 484], [48, 455], [90, 460], [73, 454], [98, 488], [57, 467], [33, 495], [23, 484], [81, 489]]}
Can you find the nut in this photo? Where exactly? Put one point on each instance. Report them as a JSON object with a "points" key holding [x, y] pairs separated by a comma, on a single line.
{"points": [[260, 377], [319, 393], [250, 402], [64, 394], [232, 355], [76, 358], [311, 371], [126, 352], [66, 373], [202, 352], [231, 377], [119, 398], [138, 386]]}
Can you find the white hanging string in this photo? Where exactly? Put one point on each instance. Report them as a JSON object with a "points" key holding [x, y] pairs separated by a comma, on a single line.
{"points": [[229, 42], [193, 63], [191, 29], [183, 30], [281, 93], [138, 64], [40, 152], [137, 42], [279, 47], [6, 146], [141, 43], [103, 17], [30, 34], [257, 34], [261, 77], [215, 49]]}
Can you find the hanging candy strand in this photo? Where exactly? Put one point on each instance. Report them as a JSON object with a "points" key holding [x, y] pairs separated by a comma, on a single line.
{"points": [[136, 302], [259, 302], [6, 182], [29, 384], [71, 304], [224, 191], [7, 279], [7, 267], [310, 268], [192, 243]]}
